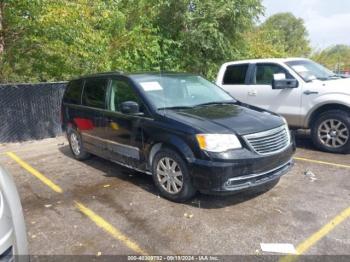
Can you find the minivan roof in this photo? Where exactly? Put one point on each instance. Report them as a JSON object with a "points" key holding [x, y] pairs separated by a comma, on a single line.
{"points": [[134, 74], [102, 74], [143, 74]]}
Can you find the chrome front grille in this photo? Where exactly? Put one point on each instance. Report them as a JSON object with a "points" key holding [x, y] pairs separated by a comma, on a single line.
{"points": [[269, 142]]}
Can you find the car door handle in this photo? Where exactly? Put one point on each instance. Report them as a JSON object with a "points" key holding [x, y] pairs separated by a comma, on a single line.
{"points": [[252, 93], [308, 92]]}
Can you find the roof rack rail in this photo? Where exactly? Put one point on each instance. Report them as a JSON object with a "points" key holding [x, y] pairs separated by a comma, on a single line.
{"points": [[111, 72]]}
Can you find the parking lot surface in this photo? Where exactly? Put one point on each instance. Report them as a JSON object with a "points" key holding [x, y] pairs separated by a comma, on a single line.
{"points": [[97, 207]]}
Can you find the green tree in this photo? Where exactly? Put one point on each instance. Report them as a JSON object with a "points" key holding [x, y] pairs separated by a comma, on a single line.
{"points": [[194, 36], [46, 40], [55, 40], [262, 43], [136, 46], [288, 31], [207, 33], [336, 57], [2, 40]]}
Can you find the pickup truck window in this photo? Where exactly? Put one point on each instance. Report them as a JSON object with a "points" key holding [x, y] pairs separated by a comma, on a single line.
{"points": [[235, 74], [264, 73]]}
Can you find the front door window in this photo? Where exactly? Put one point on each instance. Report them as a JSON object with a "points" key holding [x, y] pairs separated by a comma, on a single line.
{"points": [[264, 73]]}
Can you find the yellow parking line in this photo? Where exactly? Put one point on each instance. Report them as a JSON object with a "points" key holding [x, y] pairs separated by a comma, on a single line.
{"points": [[314, 238], [304, 246], [100, 222], [35, 173], [321, 162]]}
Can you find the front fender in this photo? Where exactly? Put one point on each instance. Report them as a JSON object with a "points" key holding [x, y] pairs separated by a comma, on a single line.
{"points": [[171, 140], [337, 99]]}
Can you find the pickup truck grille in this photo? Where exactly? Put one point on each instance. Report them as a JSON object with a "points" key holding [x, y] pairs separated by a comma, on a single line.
{"points": [[269, 142]]}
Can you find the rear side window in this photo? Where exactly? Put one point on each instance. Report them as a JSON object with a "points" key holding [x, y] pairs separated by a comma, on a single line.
{"points": [[73, 93], [95, 93], [235, 74]]}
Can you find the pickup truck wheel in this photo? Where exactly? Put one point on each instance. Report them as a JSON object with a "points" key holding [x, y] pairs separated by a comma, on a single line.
{"points": [[170, 175], [331, 132], [76, 145]]}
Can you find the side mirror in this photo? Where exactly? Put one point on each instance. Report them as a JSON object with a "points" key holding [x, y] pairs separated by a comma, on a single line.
{"points": [[130, 107], [280, 82]]}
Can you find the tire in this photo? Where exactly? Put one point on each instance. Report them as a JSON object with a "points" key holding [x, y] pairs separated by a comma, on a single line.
{"points": [[168, 166], [331, 132], [76, 145]]}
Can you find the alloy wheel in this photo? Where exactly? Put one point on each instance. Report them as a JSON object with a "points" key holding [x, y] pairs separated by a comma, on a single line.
{"points": [[169, 175], [75, 143], [333, 133]]}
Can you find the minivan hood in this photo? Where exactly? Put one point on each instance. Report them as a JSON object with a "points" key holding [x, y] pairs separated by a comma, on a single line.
{"points": [[226, 118]]}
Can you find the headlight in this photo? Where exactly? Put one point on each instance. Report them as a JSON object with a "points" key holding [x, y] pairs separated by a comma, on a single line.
{"points": [[287, 129], [218, 142]]}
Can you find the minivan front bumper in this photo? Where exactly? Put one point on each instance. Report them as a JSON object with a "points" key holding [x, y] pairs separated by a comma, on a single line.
{"points": [[225, 177]]}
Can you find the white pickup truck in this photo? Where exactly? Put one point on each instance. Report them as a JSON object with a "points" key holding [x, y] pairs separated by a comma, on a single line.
{"points": [[307, 94]]}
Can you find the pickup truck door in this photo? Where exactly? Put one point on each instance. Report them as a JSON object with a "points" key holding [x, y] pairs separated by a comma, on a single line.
{"points": [[234, 79], [286, 102]]}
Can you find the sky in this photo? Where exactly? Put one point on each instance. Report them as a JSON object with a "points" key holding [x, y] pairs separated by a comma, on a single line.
{"points": [[327, 21]]}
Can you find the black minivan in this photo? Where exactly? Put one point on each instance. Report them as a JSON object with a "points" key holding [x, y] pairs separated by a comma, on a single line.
{"points": [[185, 131]]}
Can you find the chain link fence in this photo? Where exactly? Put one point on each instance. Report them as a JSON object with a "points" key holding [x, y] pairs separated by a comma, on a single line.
{"points": [[30, 111]]}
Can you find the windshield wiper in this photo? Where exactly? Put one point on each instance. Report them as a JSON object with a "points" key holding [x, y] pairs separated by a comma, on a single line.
{"points": [[321, 78], [216, 103], [175, 107], [204, 104], [334, 76], [330, 77]]}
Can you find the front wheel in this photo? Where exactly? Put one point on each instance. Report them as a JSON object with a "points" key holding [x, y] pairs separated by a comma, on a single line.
{"points": [[170, 175], [331, 132]]}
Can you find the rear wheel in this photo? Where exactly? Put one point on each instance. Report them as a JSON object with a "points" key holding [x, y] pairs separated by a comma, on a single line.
{"points": [[331, 131], [76, 145], [170, 175]]}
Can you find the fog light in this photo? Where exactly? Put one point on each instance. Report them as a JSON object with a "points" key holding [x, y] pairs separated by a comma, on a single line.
{"points": [[228, 183]]}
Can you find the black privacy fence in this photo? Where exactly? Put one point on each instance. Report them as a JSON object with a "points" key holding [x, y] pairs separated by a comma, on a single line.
{"points": [[30, 111]]}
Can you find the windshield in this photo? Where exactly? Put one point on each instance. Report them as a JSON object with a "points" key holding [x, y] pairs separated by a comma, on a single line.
{"points": [[310, 70], [181, 91]]}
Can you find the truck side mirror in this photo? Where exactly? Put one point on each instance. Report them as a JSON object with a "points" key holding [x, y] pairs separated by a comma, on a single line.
{"points": [[279, 76], [280, 82]]}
